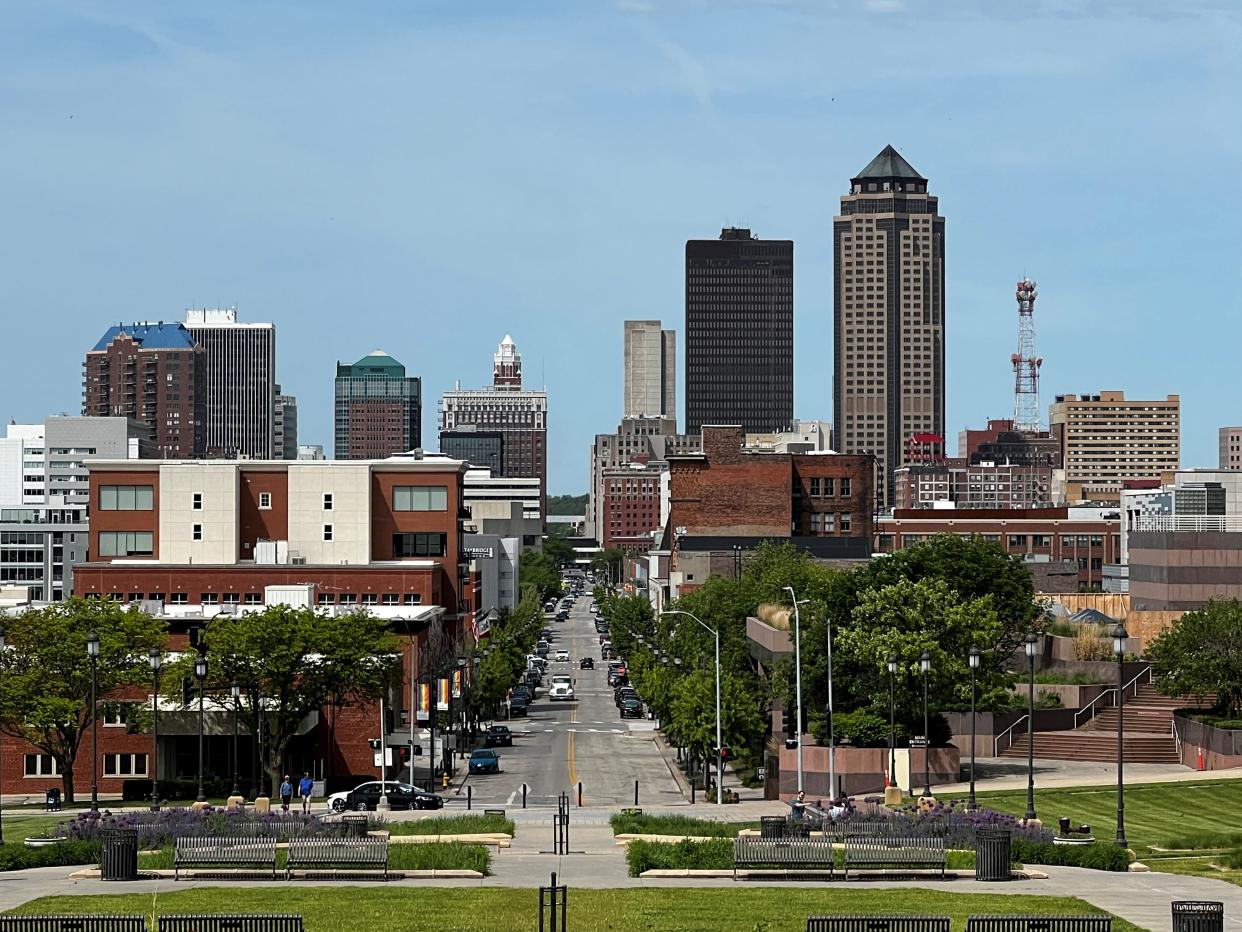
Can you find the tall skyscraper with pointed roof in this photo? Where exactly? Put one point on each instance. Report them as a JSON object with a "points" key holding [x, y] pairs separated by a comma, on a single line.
{"points": [[888, 316]]}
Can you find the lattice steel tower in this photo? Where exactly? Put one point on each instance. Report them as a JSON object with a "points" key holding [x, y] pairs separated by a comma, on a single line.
{"points": [[1025, 363]]}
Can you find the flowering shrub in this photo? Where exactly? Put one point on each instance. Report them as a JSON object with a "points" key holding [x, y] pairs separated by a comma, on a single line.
{"points": [[162, 828], [951, 819]]}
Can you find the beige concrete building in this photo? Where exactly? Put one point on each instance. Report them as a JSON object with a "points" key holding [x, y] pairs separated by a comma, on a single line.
{"points": [[889, 314], [1230, 448], [650, 370], [1106, 440]]}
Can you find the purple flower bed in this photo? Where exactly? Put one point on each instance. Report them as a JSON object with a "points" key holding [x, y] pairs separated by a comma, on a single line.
{"points": [[951, 819], [162, 828]]}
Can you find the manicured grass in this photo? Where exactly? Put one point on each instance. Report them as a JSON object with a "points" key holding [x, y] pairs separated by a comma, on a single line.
{"points": [[449, 825], [17, 827], [345, 909], [1155, 812], [431, 856], [676, 825], [1196, 867]]}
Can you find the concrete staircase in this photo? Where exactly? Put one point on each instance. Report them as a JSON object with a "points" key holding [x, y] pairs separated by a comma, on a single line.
{"points": [[1148, 733]]}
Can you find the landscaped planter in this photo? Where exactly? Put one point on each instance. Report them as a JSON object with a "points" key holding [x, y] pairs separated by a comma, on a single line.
{"points": [[44, 842]]}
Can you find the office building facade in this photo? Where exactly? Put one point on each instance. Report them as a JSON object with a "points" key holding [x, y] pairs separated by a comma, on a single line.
{"points": [[285, 441], [650, 387], [888, 315], [1106, 440], [378, 409], [484, 448], [1230, 448], [238, 361], [150, 372], [739, 332]]}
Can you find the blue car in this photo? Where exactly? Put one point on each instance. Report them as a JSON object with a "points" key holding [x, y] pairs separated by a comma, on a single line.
{"points": [[484, 760]]}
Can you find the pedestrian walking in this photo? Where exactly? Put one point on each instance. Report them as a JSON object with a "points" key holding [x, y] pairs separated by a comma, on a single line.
{"points": [[286, 794], [306, 789]]}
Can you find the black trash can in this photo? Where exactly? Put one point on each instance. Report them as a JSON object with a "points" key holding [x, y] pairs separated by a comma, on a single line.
{"points": [[119, 858], [1198, 916], [771, 826], [993, 852]]}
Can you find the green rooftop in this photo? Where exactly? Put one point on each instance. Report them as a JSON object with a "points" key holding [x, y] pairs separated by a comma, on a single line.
{"points": [[889, 164]]}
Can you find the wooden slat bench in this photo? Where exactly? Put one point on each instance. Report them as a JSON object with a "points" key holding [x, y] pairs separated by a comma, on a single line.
{"points": [[799, 855], [73, 923], [877, 924], [337, 852], [1096, 922], [913, 851], [233, 851], [238, 923]]}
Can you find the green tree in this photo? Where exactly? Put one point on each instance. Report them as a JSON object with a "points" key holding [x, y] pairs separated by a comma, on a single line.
{"points": [[300, 660], [539, 570], [608, 564], [1201, 655], [570, 505], [45, 673], [556, 545]]}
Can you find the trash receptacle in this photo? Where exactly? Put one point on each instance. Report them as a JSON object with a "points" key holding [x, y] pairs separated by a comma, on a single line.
{"points": [[118, 858], [993, 852], [772, 826], [1198, 916], [53, 799]]}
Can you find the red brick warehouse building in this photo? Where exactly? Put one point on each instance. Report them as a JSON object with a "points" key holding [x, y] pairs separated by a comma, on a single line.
{"points": [[196, 539]]}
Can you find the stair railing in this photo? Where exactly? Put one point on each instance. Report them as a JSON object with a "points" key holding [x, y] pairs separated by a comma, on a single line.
{"points": [[1177, 739], [1008, 732], [1131, 688]]}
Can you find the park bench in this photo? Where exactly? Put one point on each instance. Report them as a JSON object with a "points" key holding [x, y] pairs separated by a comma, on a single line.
{"points": [[230, 924], [337, 852], [797, 855], [73, 923], [216, 851], [877, 924], [912, 851], [1089, 923]]}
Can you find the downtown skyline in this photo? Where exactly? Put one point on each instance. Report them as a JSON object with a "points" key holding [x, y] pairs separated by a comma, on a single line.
{"points": [[353, 214]]}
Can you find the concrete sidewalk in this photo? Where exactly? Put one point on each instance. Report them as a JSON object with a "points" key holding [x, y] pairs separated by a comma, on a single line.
{"points": [[1007, 773]]}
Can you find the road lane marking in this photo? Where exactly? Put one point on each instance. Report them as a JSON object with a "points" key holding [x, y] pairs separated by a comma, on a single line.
{"points": [[512, 797]]}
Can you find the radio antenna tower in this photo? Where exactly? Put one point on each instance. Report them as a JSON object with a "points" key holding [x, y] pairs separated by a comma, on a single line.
{"points": [[1025, 363]]}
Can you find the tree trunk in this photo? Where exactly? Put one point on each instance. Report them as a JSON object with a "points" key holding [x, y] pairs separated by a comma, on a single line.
{"points": [[66, 784]]}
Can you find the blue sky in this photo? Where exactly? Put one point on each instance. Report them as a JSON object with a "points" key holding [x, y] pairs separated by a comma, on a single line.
{"points": [[428, 176]]}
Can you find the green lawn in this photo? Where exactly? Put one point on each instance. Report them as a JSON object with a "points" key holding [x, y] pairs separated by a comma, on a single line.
{"points": [[345, 909], [432, 856], [448, 825]]}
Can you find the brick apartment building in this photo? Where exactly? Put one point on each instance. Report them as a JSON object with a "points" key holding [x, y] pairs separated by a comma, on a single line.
{"points": [[192, 540], [631, 506], [1088, 537]]}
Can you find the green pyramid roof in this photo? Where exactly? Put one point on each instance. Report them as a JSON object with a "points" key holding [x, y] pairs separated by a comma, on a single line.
{"points": [[889, 164]]}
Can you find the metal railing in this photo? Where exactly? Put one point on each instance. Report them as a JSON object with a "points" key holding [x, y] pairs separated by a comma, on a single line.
{"points": [[996, 748], [1130, 687]]}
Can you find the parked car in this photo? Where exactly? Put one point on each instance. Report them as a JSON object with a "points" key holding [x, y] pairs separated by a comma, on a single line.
{"points": [[517, 706], [594, 607], [618, 678], [561, 656], [523, 692], [542, 649], [586, 663], [622, 693], [498, 736], [365, 797], [631, 707], [562, 615], [484, 760]]}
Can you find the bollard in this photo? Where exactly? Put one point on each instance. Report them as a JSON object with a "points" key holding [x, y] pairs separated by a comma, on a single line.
{"points": [[469, 796], [579, 794], [635, 792], [523, 795]]}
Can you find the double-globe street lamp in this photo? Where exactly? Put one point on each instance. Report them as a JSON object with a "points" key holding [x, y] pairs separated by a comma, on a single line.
{"points": [[1031, 642], [892, 721], [1120, 635], [975, 656], [925, 666], [157, 664], [92, 651], [200, 671], [719, 744], [798, 683], [235, 691]]}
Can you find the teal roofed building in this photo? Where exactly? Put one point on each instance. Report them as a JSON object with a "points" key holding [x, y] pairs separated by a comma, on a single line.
{"points": [[378, 410]]}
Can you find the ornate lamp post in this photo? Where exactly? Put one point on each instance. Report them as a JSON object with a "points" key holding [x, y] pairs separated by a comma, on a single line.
{"points": [[925, 666], [975, 656], [157, 664], [200, 671], [892, 721], [235, 690], [92, 651], [1032, 640], [1119, 648]]}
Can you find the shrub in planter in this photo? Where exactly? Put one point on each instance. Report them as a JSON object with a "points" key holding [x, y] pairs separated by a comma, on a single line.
{"points": [[17, 857], [1099, 856], [862, 729], [716, 854]]}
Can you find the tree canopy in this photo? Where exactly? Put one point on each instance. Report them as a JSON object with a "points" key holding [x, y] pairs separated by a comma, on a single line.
{"points": [[1201, 655], [45, 672]]}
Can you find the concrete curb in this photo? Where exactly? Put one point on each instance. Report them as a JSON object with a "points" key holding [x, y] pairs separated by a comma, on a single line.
{"points": [[855, 875], [94, 874], [497, 840]]}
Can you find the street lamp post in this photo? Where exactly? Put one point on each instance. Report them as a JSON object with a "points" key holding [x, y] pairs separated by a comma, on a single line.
{"points": [[157, 664], [1119, 648], [832, 725], [92, 651], [719, 744], [797, 675], [235, 689], [975, 656], [200, 671], [1031, 641], [255, 721], [925, 666], [892, 721]]}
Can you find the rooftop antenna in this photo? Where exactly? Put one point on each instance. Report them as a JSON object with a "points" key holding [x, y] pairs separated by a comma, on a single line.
{"points": [[1026, 364]]}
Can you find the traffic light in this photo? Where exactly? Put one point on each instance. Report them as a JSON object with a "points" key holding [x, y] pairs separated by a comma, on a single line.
{"points": [[726, 754], [403, 752], [375, 743], [418, 750]]}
